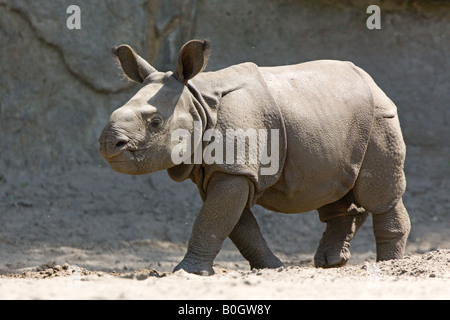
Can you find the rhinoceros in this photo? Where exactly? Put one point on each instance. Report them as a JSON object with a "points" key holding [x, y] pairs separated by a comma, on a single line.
{"points": [[335, 136]]}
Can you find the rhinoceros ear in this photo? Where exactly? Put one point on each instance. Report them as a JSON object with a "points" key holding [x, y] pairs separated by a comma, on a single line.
{"points": [[192, 59], [133, 65]]}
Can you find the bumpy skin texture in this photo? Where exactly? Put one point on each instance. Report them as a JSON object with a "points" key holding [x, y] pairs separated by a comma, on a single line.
{"points": [[340, 151]]}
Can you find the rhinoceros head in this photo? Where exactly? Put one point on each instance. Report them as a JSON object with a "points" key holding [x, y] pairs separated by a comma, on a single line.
{"points": [[137, 138]]}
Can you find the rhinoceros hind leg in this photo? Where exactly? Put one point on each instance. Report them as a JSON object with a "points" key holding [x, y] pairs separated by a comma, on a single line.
{"points": [[380, 186], [391, 231], [334, 247]]}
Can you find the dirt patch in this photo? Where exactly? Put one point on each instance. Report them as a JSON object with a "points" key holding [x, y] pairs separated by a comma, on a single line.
{"points": [[48, 271], [433, 264], [425, 276]]}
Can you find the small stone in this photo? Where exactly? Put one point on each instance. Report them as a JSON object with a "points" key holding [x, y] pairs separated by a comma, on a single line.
{"points": [[25, 203], [57, 268], [141, 276]]}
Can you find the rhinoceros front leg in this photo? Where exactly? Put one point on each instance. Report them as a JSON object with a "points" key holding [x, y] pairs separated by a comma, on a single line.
{"points": [[247, 237], [226, 198]]}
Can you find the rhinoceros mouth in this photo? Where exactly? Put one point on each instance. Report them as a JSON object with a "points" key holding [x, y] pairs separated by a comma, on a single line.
{"points": [[130, 161], [125, 162]]}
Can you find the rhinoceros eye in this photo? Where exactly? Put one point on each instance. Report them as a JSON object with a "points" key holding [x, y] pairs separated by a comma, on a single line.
{"points": [[156, 121]]}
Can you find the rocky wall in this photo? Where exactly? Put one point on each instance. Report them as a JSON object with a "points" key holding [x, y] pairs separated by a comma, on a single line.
{"points": [[58, 86]]}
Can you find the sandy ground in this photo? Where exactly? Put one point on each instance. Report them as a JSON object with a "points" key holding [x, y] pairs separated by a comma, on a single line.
{"points": [[85, 232], [416, 277]]}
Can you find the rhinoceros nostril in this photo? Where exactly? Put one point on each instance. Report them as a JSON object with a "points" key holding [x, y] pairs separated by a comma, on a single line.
{"points": [[112, 143], [121, 143]]}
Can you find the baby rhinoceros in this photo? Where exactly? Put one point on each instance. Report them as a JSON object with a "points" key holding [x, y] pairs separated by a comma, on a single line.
{"points": [[316, 135]]}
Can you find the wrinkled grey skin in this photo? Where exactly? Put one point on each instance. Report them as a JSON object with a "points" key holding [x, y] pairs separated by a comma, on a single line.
{"points": [[340, 145]]}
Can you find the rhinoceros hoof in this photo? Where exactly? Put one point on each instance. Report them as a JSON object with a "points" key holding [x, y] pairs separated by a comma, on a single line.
{"points": [[269, 263], [332, 256], [195, 268]]}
